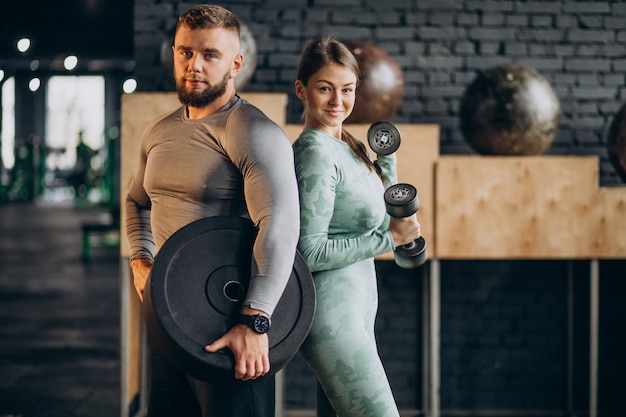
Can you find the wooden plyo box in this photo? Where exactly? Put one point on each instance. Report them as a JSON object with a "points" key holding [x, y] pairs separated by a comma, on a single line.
{"points": [[540, 207]]}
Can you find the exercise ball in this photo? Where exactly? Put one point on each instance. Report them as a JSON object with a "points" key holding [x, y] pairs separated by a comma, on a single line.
{"points": [[616, 142], [509, 110], [247, 48], [380, 93]]}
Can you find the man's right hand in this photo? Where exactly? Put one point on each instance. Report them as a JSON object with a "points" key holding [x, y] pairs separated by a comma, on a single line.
{"points": [[141, 268]]}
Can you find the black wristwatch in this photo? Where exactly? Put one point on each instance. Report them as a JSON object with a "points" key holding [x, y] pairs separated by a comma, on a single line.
{"points": [[258, 322]]}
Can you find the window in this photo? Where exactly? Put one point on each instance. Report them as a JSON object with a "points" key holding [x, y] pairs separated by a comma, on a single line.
{"points": [[74, 113], [8, 127]]}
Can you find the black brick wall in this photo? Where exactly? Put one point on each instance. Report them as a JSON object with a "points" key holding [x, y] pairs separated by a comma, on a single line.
{"points": [[504, 324], [504, 335]]}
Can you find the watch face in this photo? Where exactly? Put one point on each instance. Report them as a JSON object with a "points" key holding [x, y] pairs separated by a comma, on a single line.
{"points": [[261, 324]]}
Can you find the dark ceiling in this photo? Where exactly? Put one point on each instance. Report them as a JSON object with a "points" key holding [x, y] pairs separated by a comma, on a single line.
{"points": [[90, 29]]}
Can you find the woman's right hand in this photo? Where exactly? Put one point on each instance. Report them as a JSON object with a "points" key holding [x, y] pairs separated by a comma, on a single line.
{"points": [[404, 230]]}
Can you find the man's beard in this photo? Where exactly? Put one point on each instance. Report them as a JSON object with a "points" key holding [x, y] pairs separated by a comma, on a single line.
{"points": [[200, 99]]}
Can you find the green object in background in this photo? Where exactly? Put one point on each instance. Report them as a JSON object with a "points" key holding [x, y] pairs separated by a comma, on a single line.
{"points": [[21, 186]]}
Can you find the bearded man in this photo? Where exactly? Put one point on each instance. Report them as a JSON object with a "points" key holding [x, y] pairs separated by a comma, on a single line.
{"points": [[216, 155]]}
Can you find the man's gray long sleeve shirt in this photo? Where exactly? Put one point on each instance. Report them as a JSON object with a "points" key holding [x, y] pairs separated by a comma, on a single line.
{"points": [[235, 162]]}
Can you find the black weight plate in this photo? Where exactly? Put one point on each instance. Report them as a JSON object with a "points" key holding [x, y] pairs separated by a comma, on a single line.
{"points": [[195, 291], [401, 200], [383, 137]]}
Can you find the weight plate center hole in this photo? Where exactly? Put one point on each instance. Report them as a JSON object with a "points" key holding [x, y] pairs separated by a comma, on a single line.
{"points": [[234, 291]]}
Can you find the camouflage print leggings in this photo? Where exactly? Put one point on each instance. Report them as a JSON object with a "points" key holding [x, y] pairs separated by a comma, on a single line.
{"points": [[341, 347]]}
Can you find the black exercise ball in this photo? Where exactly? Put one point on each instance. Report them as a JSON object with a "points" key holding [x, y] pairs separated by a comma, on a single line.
{"points": [[509, 110]]}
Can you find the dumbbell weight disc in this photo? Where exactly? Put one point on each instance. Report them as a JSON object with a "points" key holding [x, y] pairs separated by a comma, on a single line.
{"points": [[411, 255], [401, 200], [195, 291], [383, 138]]}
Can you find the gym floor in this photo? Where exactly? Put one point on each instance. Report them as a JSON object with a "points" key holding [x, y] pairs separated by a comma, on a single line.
{"points": [[59, 316]]}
